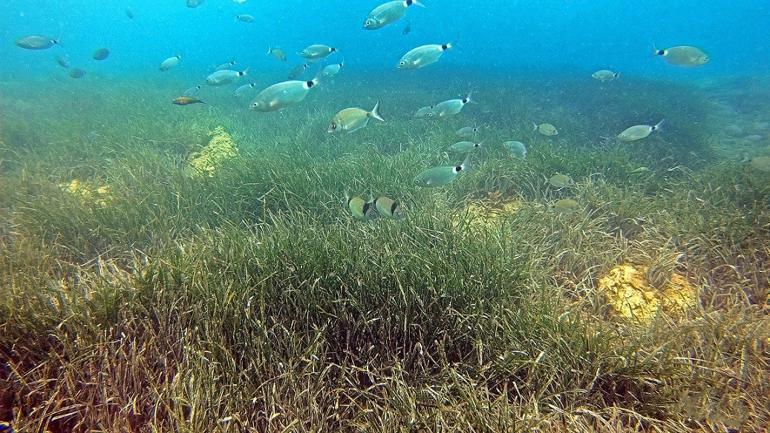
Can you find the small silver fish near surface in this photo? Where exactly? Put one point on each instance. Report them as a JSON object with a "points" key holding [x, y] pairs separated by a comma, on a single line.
{"points": [[63, 61], [317, 51], [77, 73], [101, 54], [36, 42], [387, 13], [245, 18], [277, 53]]}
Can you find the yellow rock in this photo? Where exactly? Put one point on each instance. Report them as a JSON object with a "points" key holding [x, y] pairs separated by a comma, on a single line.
{"points": [[88, 192], [629, 294], [484, 215], [221, 148]]}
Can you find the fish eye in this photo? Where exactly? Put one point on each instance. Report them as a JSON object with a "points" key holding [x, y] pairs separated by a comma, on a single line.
{"points": [[402, 63]]}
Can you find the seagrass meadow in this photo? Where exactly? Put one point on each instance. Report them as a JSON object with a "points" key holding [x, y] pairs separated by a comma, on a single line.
{"points": [[196, 269]]}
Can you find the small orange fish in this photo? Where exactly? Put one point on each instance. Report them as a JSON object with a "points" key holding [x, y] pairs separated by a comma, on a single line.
{"points": [[186, 100]]}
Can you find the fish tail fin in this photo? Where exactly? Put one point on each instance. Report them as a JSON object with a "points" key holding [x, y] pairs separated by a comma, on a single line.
{"points": [[375, 113], [243, 72], [447, 46], [659, 125], [617, 74], [415, 3], [469, 99], [466, 164], [269, 49], [534, 126], [656, 51]]}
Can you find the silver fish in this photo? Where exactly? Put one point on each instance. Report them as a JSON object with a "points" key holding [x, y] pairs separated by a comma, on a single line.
{"points": [[683, 55], [36, 42], [331, 70], [227, 65], [468, 131], [440, 176], [638, 132], [169, 63], [427, 111], [317, 51], [192, 90], [465, 146], [452, 106], [297, 71], [282, 95], [243, 89], [387, 13], [225, 76], [517, 148], [423, 56]]}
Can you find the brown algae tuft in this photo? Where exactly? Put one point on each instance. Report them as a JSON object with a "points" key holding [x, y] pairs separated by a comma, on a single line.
{"points": [[220, 149], [629, 294]]}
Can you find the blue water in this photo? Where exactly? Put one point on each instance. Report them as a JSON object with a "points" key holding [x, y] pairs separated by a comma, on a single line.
{"points": [[509, 36]]}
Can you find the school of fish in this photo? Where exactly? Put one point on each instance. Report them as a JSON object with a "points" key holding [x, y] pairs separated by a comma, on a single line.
{"points": [[282, 95]]}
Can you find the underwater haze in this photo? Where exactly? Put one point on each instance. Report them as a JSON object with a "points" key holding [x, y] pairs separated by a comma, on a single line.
{"points": [[384, 216], [503, 35]]}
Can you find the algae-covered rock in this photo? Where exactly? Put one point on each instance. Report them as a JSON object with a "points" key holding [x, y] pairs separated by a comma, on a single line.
{"points": [[487, 214], [629, 294], [220, 149], [100, 195]]}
